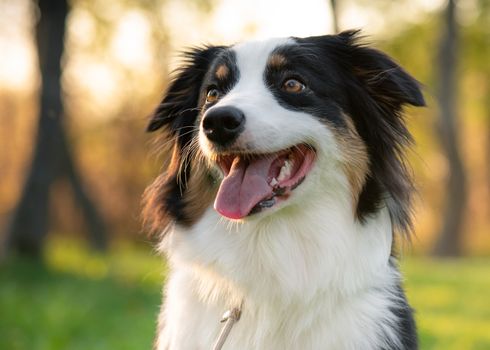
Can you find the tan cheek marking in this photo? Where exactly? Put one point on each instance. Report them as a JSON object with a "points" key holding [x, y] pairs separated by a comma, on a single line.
{"points": [[355, 156], [199, 194], [277, 61], [154, 213], [201, 190], [222, 72]]}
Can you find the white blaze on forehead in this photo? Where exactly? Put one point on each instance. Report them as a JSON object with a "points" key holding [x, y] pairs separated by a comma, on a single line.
{"points": [[252, 56]]}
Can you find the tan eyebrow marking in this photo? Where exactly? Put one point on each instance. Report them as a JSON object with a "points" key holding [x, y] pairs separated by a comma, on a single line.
{"points": [[222, 72], [277, 61]]}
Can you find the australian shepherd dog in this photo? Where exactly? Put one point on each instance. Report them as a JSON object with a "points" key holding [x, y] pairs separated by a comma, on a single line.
{"points": [[283, 196]]}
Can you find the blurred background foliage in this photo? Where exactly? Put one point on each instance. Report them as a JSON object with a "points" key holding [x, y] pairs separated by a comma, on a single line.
{"points": [[115, 65]]}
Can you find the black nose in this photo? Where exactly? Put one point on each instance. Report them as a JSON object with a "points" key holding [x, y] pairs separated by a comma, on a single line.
{"points": [[222, 125]]}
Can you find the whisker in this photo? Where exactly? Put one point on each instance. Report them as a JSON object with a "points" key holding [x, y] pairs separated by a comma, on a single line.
{"points": [[162, 145]]}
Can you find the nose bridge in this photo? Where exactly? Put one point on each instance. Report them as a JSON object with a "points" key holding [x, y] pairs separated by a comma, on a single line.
{"points": [[246, 95], [251, 61]]}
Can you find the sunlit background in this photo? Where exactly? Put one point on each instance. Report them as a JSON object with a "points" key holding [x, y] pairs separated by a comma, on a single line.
{"points": [[116, 63]]}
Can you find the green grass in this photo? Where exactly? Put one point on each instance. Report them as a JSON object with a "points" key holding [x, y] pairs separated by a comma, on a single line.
{"points": [[80, 300], [84, 300], [452, 302]]}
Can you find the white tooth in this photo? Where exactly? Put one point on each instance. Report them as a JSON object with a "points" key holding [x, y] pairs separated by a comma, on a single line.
{"points": [[274, 181], [285, 171]]}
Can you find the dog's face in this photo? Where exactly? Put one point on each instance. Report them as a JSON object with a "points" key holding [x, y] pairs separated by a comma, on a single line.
{"points": [[258, 124]]}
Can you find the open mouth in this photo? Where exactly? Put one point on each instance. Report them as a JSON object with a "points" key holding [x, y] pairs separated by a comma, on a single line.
{"points": [[254, 182]]}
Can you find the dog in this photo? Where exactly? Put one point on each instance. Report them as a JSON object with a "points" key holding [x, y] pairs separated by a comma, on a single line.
{"points": [[286, 189]]}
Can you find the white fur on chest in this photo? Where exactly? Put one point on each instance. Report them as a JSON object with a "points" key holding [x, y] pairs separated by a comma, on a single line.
{"points": [[310, 277]]}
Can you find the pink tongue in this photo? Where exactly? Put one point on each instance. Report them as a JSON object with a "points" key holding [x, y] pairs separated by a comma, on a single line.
{"points": [[244, 186]]}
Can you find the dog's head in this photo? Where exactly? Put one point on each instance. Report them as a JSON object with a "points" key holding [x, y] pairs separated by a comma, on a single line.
{"points": [[259, 126]]}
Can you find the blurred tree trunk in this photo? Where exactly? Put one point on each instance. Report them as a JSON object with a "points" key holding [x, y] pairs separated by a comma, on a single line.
{"points": [[335, 16], [449, 242], [52, 157]]}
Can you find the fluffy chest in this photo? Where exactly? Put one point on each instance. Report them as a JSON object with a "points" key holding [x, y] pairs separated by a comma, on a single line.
{"points": [[302, 285], [303, 249], [359, 321]]}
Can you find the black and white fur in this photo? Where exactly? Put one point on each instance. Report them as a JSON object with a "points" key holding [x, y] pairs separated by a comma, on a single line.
{"points": [[318, 270]]}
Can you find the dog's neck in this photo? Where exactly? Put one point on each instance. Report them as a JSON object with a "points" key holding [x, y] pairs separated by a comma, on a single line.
{"points": [[291, 256]]}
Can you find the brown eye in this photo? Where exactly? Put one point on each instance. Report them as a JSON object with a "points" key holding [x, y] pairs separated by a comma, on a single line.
{"points": [[293, 86], [212, 96]]}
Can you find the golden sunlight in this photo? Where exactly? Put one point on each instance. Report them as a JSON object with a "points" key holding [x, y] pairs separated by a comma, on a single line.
{"points": [[17, 58], [236, 20], [131, 44], [17, 64]]}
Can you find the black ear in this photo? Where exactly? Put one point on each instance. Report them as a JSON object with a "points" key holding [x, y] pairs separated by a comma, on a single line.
{"points": [[177, 113], [377, 88], [384, 79], [178, 107]]}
